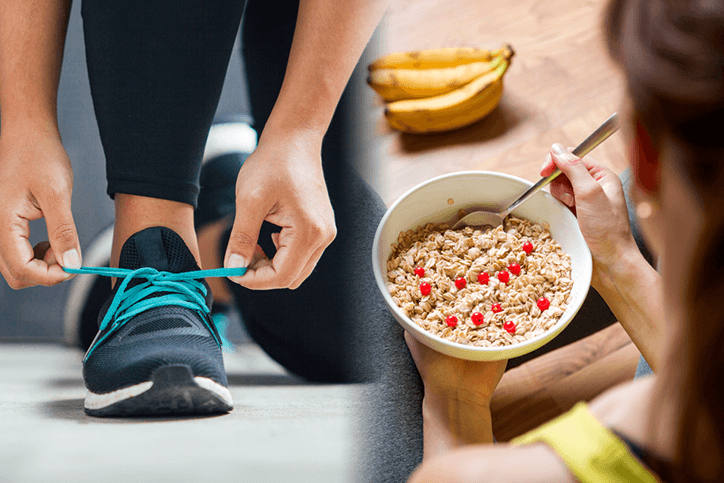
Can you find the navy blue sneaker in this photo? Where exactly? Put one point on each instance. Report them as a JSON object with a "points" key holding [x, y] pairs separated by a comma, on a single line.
{"points": [[227, 147], [158, 351]]}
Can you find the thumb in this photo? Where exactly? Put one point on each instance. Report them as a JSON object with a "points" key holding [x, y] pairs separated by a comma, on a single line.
{"points": [[62, 233], [573, 167], [244, 236]]}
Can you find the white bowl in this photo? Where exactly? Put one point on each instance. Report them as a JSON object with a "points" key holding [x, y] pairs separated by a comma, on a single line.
{"points": [[429, 202]]}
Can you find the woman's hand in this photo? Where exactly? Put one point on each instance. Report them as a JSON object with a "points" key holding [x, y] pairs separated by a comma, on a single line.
{"points": [[36, 181], [281, 182], [456, 404], [452, 378], [595, 195], [629, 285]]}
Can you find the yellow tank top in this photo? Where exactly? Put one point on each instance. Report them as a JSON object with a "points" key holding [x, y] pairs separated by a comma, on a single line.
{"points": [[592, 452]]}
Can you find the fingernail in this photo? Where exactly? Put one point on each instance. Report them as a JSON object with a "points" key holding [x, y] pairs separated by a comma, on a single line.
{"points": [[567, 199], [236, 261], [558, 149], [543, 166], [71, 259]]}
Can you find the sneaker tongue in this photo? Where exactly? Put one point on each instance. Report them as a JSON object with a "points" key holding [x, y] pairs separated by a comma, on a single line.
{"points": [[157, 247]]}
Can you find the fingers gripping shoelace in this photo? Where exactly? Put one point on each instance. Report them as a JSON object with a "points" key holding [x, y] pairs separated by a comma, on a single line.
{"points": [[182, 289]]}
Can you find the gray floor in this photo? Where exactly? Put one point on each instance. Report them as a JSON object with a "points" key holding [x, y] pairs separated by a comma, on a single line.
{"points": [[280, 429]]}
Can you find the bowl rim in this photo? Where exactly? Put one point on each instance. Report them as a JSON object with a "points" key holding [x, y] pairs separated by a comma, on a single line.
{"points": [[551, 333]]}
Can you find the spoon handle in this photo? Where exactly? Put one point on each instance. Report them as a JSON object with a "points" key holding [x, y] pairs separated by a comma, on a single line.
{"points": [[604, 131]]}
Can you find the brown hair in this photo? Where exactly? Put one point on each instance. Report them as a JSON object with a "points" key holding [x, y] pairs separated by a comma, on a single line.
{"points": [[673, 54]]}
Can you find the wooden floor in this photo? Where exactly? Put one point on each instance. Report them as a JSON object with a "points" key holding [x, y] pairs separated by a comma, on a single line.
{"points": [[561, 85]]}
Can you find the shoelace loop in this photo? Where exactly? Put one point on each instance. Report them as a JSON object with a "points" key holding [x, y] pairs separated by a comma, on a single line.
{"points": [[182, 289]]}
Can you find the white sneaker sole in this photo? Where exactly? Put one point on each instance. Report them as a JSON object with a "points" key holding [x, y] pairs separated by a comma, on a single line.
{"points": [[172, 391]]}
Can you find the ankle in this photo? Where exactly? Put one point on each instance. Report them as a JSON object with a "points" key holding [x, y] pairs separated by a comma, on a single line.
{"points": [[136, 213], [209, 238]]}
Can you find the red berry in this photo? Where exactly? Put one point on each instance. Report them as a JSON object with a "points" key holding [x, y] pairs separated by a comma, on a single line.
{"points": [[425, 288], [460, 283], [528, 248], [483, 278], [514, 268], [543, 303], [420, 272], [496, 308], [477, 318], [509, 326], [503, 276], [451, 321]]}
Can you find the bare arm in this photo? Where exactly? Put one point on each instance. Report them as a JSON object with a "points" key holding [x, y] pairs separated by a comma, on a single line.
{"points": [[329, 38], [457, 426], [456, 403], [494, 464], [36, 178], [633, 291], [32, 36], [629, 285], [283, 178]]}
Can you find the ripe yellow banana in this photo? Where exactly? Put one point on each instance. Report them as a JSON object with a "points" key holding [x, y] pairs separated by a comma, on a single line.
{"points": [[452, 110], [397, 84], [433, 58]]}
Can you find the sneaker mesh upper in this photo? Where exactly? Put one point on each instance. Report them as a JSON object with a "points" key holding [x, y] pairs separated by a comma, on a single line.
{"points": [[159, 336]]}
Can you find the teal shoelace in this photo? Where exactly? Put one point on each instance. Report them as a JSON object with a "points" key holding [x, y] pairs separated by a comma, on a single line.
{"points": [[181, 289], [221, 321]]}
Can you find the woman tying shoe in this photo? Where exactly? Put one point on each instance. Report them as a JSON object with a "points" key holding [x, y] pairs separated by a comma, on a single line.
{"points": [[667, 427], [156, 70]]}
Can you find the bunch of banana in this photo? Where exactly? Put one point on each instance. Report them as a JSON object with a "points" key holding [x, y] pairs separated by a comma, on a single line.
{"points": [[440, 89]]}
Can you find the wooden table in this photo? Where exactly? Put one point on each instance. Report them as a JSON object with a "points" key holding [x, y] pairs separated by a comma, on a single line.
{"points": [[561, 85]]}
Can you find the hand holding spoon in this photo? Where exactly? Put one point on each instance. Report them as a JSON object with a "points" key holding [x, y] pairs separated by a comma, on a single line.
{"points": [[489, 218]]}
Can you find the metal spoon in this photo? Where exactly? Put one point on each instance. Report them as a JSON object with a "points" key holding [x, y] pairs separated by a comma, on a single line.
{"points": [[489, 218]]}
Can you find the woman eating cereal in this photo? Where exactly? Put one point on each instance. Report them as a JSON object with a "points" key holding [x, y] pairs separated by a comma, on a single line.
{"points": [[667, 427]]}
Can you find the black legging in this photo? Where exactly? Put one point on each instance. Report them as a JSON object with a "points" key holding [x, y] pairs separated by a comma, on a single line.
{"points": [[156, 72]]}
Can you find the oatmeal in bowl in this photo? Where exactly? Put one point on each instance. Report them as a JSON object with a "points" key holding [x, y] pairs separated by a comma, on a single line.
{"points": [[486, 288], [480, 294]]}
